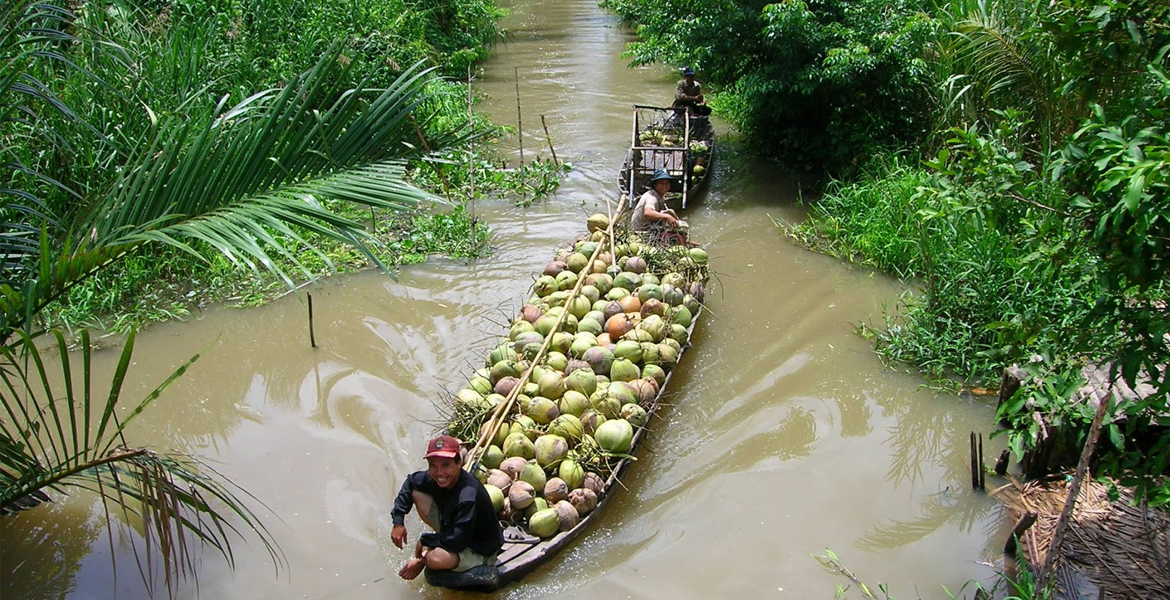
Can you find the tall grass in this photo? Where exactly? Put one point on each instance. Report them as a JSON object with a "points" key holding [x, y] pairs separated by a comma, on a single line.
{"points": [[987, 298]]}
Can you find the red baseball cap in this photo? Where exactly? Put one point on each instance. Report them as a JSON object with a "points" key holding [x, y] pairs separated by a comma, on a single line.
{"points": [[443, 446]]}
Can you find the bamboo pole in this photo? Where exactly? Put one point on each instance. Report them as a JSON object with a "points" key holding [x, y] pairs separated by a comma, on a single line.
{"points": [[505, 407], [548, 138]]}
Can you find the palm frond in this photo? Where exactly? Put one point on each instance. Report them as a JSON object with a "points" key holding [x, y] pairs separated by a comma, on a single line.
{"points": [[56, 434]]}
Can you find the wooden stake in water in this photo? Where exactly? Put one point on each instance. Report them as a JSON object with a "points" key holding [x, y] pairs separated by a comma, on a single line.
{"points": [[519, 121], [312, 336], [520, 132], [548, 138], [470, 158]]}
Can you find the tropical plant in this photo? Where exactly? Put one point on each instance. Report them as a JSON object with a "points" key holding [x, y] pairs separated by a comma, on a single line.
{"points": [[238, 181]]}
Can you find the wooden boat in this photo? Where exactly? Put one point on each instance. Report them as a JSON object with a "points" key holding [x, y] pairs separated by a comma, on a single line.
{"points": [[522, 552], [666, 138]]}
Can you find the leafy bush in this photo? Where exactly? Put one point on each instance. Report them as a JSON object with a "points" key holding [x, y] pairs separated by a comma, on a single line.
{"points": [[822, 84]]}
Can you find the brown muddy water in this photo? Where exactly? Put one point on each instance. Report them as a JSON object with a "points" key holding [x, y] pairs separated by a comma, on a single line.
{"points": [[786, 434]]}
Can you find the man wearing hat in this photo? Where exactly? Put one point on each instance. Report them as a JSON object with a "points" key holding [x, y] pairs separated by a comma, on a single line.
{"points": [[689, 94], [650, 212], [456, 505]]}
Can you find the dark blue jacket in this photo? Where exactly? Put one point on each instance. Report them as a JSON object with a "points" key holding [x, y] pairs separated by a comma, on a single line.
{"points": [[466, 515]]}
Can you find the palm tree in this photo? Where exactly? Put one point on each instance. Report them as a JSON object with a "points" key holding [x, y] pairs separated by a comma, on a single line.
{"points": [[255, 174]]}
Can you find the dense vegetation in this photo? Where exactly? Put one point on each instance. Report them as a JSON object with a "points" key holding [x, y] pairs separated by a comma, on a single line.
{"points": [[191, 136], [1009, 155]]}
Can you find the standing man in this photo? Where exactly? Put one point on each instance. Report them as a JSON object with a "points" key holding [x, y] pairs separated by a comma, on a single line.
{"points": [[689, 94], [456, 505], [650, 212]]}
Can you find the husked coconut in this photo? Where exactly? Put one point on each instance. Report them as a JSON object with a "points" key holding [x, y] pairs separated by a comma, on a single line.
{"points": [[584, 500], [567, 514], [499, 479], [521, 494], [556, 490]]}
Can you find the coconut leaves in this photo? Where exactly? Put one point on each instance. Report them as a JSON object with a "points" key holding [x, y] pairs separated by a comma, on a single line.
{"points": [[57, 432]]}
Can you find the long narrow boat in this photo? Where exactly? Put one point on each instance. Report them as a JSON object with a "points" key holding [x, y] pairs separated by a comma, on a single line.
{"points": [[670, 139], [641, 370]]}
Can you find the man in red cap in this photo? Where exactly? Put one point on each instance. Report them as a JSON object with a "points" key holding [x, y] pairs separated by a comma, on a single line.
{"points": [[456, 505]]}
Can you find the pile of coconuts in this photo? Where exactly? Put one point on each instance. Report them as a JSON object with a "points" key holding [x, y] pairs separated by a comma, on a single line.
{"points": [[572, 420]]}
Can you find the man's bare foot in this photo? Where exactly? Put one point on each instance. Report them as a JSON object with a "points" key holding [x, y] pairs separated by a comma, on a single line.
{"points": [[412, 568]]}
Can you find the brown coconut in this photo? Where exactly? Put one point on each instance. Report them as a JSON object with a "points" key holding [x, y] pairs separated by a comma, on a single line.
{"points": [[568, 515], [499, 479], [636, 264], [556, 490], [513, 466], [505, 385], [653, 306], [593, 482], [554, 268], [584, 500], [531, 312], [521, 494]]}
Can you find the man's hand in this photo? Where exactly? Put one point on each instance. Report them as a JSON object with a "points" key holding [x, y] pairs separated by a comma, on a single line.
{"points": [[398, 535]]}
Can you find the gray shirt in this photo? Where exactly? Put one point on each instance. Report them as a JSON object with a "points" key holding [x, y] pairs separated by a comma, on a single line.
{"points": [[638, 220]]}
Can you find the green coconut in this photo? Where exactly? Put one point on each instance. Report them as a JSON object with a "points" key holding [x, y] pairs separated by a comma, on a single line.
{"points": [[667, 356], [504, 368], [483, 385], [628, 350], [601, 281], [563, 340], [679, 333], [579, 306], [543, 410], [545, 523], [567, 280], [538, 504], [698, 255], [545, 285], [627, 281], [649, 353], [502, 352], [525, 425], [556, 300], [519, 327], [551, 450], [623, 392], [590, 419], [655, 372], [494, 455], [582, 342], [682, 316], [524, 339], [573, 403], [638, 335], [624, 370], [649, 290], [691, 302], [599, 358], [533, 474], [589, 325], [650, 279], [597, 222], [545, 325], [567, 426], [591, 293], [674, 280], [656, 326], [636, 415], [497, 496], [571, 473], [518, 444], [552, 385], [672, 295], [615, 436], [583, 381], [607, 406], [617, 293]]}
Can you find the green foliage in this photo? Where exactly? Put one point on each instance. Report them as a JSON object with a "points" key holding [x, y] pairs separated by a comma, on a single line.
{"points": [[818, 84]]}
